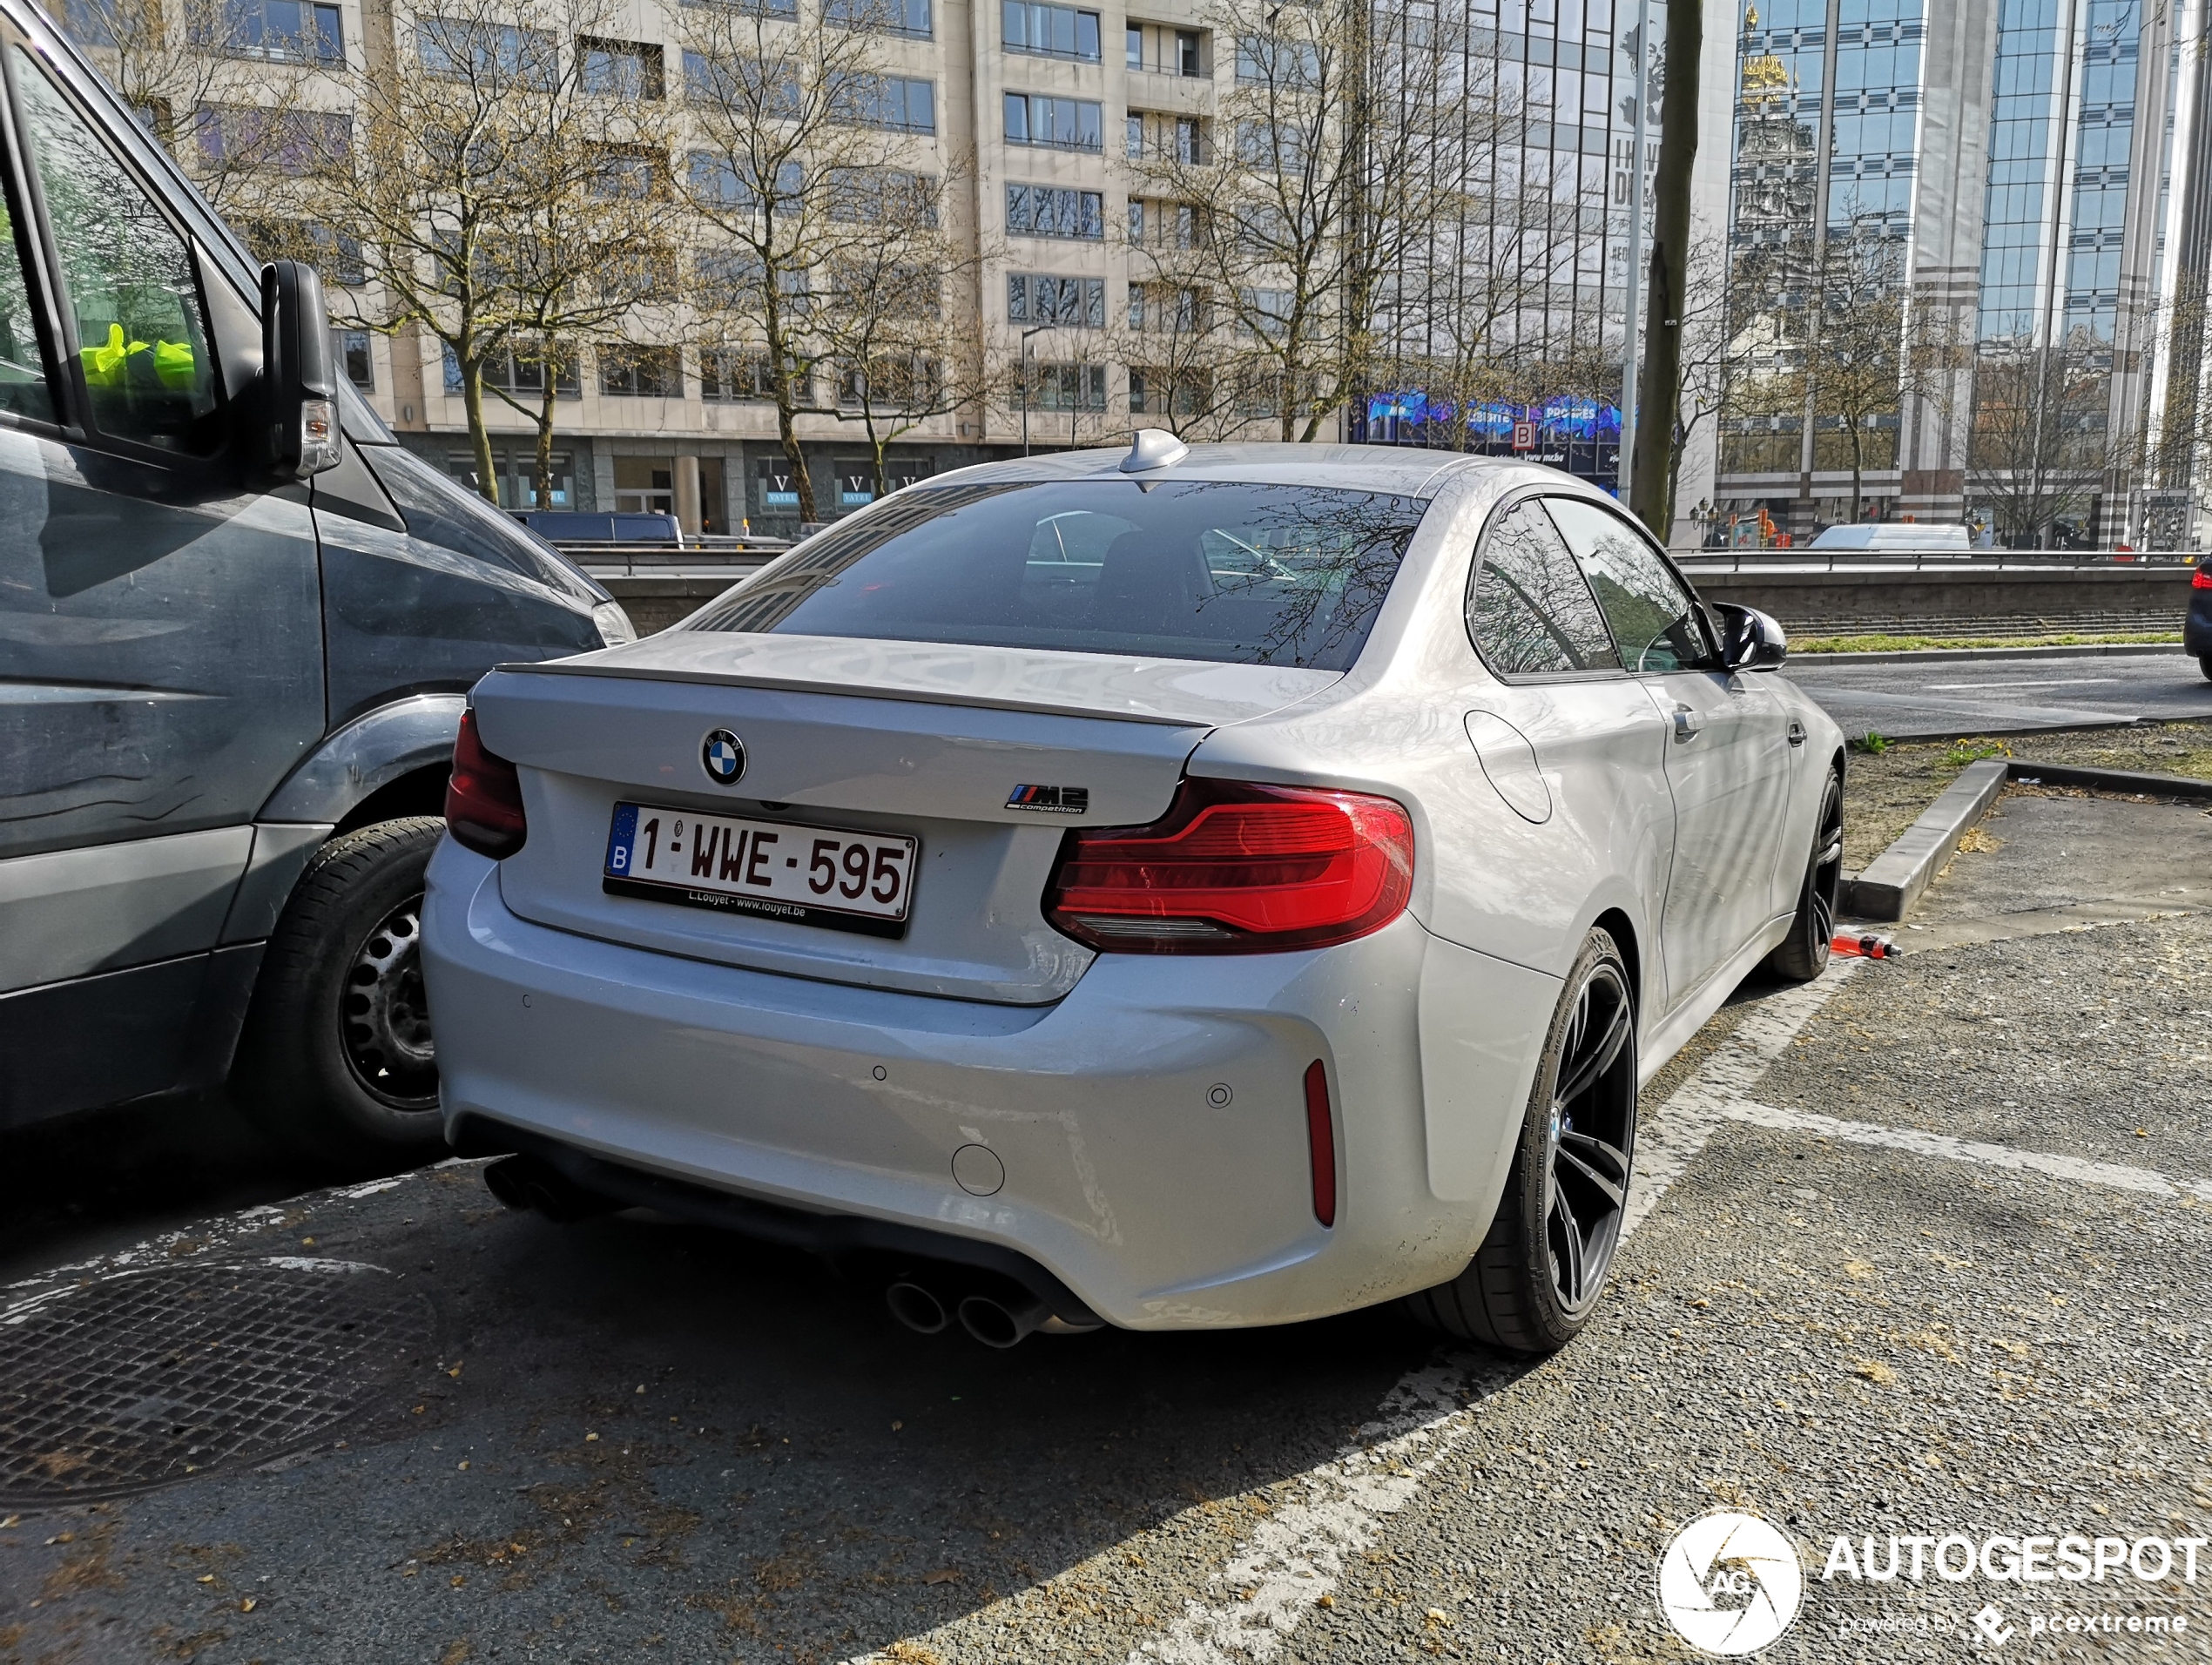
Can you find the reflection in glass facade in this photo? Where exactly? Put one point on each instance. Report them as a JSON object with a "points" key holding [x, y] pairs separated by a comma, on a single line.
{"points": [[2039, 242]]}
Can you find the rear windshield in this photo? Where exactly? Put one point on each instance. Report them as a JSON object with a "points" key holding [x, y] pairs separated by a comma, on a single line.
{"points": [[1179, 570]]}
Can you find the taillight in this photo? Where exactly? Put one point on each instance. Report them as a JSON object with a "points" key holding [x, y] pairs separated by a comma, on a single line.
{"points": [[2202, 579], [1237, 868], [483, 797]]}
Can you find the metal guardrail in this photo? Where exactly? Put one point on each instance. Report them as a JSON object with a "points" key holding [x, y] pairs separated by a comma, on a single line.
{"points": [[656, 560], [1778, 561]]}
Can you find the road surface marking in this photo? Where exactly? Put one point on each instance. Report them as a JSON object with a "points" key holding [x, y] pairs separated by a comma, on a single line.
{"points": [[1920, 1142], [2047, 682]]}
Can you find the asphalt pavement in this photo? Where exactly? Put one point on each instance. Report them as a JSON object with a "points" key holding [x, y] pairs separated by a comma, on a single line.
{"points": [[1937, 699], [1923, 1252]]}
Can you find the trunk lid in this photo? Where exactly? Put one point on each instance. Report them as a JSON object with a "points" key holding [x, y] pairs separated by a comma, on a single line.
{"points": [[890, 739]]}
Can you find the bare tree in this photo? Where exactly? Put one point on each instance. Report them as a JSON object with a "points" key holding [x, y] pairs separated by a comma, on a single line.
{"points": [[796, 115], [2037, 448], [901, 357], [1298, 215], [197, 76], [486, 179], [1856, 363]]}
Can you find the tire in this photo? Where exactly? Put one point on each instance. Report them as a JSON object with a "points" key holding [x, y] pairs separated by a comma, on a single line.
{"points": [[336, 1061], [2204, 663], [1536, 1279], [1803, 955]]}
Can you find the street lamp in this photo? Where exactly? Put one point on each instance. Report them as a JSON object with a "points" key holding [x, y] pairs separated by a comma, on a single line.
{"points": [[1034, 329]]}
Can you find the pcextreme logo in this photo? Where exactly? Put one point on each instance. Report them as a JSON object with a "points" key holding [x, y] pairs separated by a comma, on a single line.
{"points": [[1730, 1584]]}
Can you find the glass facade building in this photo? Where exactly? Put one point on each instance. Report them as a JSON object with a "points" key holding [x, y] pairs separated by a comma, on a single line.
{"points": [[1998, 183]]}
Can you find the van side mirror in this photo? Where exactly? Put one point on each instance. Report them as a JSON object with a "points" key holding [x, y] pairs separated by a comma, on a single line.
{"points": [[1750, 639], [299, 415]]}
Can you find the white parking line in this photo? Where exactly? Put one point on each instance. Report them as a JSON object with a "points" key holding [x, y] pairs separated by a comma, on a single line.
{"points": [[1920, 1142], [1277, 1576]]}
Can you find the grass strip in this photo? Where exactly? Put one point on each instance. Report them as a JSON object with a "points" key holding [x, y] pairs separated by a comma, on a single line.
{"points": [[1915, 643]]}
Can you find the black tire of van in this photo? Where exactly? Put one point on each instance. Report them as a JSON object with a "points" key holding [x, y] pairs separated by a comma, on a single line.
{"points": [[336, 1060]]}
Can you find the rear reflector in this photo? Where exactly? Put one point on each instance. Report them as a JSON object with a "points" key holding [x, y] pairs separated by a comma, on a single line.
{"points": [[1321, 1142], [483, 797], [1237, 868]]}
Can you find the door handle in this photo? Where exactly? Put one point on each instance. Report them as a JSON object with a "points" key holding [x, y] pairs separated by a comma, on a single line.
{"points": [[1797, 733], [1687, 724]]}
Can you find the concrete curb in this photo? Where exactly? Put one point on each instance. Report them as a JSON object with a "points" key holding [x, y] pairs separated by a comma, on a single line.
{"points": [[1895, 878], [2107, 780], [1937, 656]]}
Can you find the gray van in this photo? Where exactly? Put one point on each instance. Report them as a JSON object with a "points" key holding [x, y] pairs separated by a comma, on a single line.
{"points": [[236, 624]]}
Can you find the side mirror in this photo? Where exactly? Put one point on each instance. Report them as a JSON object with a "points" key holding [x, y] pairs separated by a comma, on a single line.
{"points": [[299, 414], [1750, 639]]}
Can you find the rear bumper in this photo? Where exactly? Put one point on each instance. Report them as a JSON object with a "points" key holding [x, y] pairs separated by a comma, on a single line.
{"points": [[1125, 1174]]}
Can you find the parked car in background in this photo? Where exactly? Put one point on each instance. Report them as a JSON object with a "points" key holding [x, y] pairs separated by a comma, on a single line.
{"points": [[1203, 887], [1895, 537], [2196, 628], [237, 623], [571, 526]]}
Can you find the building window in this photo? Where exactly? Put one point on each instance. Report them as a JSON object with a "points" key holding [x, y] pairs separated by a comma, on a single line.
{"points": [[352, 348], [522, 370], [1051, 211], [1167, 310], [1267, 60], [1186, 53], [1050, 31], [892, 101], [753, 8], [1166, 225], [516, 477], [622, 69], [1133, 46], [1168, 138], [1034, 298], [745, 83], [335, 255], [283, 31], [870, 195], [1055, 123], [718, 178], [460, 48], [1067, 387], [1167, 393], [909, 17], [729, 375], [641, 372], [1266, 314], [281, 141], [631, 172]]}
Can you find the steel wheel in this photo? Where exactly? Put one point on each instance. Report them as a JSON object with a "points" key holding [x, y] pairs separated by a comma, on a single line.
{"points": [[385, 1016], [1592, 1139]]}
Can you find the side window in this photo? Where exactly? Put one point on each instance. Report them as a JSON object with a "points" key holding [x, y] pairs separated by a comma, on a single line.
{"points": [[1653, 619], [140, 334], [24, 391], [1529, 611]]}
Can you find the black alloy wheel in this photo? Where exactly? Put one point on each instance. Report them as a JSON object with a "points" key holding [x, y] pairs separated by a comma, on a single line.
{"points": [[1543, 1265], [1592, 1138], [1803, 955]]}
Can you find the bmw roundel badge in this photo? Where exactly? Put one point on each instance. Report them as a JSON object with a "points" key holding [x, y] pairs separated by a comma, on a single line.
{"points": [[723, 756]]}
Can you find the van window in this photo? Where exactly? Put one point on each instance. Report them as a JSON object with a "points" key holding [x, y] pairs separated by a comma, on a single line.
{"points": [[141, 337], [22, 366]]}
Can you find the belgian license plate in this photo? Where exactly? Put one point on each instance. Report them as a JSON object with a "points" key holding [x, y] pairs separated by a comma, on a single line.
{"points": [[807, 875]]}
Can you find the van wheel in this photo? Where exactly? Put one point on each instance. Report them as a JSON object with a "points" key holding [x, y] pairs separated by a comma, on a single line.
{"points": [[1536, 1279], [337, 1061]]}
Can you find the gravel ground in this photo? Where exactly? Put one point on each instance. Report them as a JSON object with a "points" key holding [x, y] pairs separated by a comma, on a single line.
{"points": [[1848, 1339], [1885, 792]]}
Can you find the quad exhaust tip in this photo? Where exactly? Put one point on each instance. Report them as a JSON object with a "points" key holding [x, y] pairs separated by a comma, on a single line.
{"points": [[999, 1319], [524, 1182]]}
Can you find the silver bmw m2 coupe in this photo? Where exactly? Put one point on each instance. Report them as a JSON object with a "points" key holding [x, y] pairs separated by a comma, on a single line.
{"points": [[1208, 886]]}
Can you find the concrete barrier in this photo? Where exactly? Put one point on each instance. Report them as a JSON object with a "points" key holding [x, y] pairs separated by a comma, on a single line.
{"points": [[1976, 600]]}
